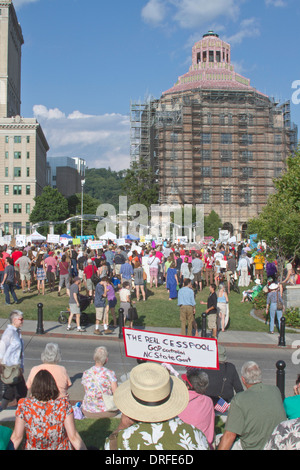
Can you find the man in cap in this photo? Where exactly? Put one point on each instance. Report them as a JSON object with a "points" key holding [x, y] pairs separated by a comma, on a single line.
{"points": [[150, 402]]}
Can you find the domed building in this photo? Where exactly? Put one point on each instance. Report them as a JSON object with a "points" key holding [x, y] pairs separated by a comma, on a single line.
{"points": [[213, 139]]}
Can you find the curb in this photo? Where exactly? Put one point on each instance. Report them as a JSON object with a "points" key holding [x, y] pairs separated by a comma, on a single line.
{"points": [[83, 336]]}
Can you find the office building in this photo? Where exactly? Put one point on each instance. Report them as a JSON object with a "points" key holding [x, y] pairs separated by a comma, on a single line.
{"points": [[23, 146]]}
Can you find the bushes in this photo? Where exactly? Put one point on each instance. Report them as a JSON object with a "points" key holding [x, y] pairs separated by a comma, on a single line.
{"points": [[292, 317], [260, 302]]}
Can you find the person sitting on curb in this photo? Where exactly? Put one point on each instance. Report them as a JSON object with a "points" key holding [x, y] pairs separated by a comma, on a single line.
{"points": [[150, 402], [253, 414]]}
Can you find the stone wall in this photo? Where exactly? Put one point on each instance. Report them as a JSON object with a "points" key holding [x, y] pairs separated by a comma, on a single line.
{"points": [[291, 296]]}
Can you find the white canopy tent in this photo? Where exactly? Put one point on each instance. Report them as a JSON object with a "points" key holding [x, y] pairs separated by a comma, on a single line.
{"points": [[108, 236], [36, 237]]}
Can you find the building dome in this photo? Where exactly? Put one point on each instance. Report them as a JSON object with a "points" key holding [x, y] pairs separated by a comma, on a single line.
{"points": [[211, 68]]}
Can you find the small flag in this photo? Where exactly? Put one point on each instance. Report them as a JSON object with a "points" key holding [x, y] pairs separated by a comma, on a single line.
{"points": [[222, 406]]}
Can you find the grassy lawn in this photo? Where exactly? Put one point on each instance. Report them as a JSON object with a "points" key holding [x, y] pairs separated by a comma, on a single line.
{"points": [[156, 311], [94, 432]]}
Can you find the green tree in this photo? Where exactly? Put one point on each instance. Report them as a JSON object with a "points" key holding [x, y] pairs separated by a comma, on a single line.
{"points": [[212, 223], [90, 205], [104, 185], [140, 185], [279, 221], [50, 206]]}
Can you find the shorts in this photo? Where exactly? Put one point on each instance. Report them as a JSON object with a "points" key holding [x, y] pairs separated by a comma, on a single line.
{"points": [[74, 309], [228, 274], [125, 306], [90, 285], [64, 279], [212, 321], [25, 277], [153, 272], [198, 277], [100, 313], [117, 268], [112, 303]]}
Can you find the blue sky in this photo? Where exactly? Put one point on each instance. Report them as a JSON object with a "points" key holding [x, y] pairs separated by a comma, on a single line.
{"points": [[84, 61]]}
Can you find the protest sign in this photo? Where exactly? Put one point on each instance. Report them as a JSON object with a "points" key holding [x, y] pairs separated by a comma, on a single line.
{"points": [[55, 239], [183, 351]]}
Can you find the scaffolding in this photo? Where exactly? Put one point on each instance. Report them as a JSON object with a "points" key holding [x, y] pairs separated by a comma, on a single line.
{"points": [[214, 147], [212, 139]]}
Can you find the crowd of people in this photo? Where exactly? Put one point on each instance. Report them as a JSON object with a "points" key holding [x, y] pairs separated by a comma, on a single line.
{"points": [[158, 409], [115, 273]]}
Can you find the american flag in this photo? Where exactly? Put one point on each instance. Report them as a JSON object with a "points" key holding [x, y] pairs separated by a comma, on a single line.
{"points": [[222, 405]]}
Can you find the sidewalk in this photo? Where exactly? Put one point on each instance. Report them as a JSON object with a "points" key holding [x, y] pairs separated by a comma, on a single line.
{"points": [[231, 338]]}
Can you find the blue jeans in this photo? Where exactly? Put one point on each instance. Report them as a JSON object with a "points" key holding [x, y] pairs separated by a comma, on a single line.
{"points": [[273, 312], [9, 288], [74, 267]]}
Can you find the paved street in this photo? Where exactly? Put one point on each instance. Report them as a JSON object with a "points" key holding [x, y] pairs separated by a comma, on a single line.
{"points": [[77, 352], [78, 356]]}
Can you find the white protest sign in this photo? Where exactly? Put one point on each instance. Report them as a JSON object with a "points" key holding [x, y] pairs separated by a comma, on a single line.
{"points": [[55, 239], [179, 350], [120, 241]]}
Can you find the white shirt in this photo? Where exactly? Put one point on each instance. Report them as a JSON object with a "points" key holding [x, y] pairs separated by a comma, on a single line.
{"points": [[12, 347]]}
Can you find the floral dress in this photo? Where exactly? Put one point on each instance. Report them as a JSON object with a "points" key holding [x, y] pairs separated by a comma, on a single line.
{"points": [[96, 380], [44, 423]]}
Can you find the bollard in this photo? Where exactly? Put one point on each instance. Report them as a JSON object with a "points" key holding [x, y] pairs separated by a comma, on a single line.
{"points": [[203, 331], [281, 341], [121, 322], [40, 328], [280, 377]]}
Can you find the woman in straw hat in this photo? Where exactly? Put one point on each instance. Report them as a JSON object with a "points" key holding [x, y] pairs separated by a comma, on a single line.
{"points": [[150, 402], [275, 304]]}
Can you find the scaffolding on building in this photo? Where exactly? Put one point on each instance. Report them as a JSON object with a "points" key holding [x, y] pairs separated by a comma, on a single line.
{"points": [[220, 148]]}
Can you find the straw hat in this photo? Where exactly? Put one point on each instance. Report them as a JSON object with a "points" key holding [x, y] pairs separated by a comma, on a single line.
{"points": [[273, 286], [257, 281], [151, 395]]}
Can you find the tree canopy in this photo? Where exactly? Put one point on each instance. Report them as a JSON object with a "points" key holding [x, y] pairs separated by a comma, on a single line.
{"points": [[104, 185], [140, 185], [279, 221], [50, 205]]}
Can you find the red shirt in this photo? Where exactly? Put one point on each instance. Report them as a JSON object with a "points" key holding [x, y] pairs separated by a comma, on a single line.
{"points": [[2, 264], [89, 271], [16, 255]]}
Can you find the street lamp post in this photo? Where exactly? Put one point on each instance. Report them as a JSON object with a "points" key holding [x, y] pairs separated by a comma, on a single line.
{"points": [[82, 185]]}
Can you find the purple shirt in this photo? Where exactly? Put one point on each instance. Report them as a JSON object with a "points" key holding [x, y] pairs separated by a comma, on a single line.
{"points": [[110, 292]]}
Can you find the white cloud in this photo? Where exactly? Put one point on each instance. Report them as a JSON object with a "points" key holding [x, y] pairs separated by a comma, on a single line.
{"points": [[190, 13], [193, 13], [103, 141], [276, 3], [154, 12], [249, 28]]}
